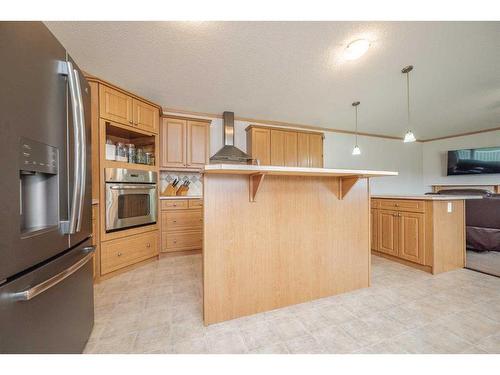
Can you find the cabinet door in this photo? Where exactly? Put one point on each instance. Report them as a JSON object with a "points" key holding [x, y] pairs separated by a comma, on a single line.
{"points": [[302, 150], [388, 232], [197, 143], [146, 116], [411, 236], [115, 106], [290, 149], [315, 150], [261, 145], [173, 143], [277, 147], [374, 229]]}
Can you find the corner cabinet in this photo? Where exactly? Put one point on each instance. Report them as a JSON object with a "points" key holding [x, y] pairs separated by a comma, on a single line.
{"points": [[283, 147], [184, 143], [114, 105], [426, 234]]}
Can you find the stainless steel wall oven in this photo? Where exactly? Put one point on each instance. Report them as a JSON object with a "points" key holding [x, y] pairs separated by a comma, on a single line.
{"points": [[131, 198]]}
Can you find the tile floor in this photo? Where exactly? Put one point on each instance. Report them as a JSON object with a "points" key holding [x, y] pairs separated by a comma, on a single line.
{"points": [[157, 309]]}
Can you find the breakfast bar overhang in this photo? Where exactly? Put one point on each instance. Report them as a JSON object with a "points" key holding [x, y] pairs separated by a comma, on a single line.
{"points": [[278, 236]]}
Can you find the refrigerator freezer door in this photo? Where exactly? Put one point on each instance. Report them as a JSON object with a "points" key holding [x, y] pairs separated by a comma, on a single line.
{"points": [[33, 132], [50, 309], [79, 152]]}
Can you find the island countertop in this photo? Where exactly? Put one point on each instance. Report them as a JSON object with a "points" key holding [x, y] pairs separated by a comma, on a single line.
{"points": [[429, 197], [291, 171]]}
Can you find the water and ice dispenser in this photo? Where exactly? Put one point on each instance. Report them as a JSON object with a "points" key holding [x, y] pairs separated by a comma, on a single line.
{"points": [[38, 187]]}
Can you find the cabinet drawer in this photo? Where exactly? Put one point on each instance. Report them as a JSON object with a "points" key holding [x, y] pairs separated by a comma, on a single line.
{"points": [[402, 205], [183, 240], [375, 203], [174, 204], [181, 220], [123, 252], [195, 203]]}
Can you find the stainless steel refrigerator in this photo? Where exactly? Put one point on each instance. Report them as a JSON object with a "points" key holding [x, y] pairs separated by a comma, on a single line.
{"points": [[46, 292]]}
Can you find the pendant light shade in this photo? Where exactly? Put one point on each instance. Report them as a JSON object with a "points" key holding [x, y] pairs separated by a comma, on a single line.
{"points": [[356, 150], [409, 136]]}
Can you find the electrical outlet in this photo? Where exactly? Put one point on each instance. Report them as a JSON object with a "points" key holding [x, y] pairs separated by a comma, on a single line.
{"points": [[450, 207]]}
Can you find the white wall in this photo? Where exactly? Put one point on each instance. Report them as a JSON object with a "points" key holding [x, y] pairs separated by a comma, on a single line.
{"points": [[377, 153], [435, 156]]}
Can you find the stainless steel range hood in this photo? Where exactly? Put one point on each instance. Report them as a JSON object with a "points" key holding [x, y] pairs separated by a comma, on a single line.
{"points": [[229, 153]]}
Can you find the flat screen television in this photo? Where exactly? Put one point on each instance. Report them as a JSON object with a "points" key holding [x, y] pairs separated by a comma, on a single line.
{"points": [[474, 161]]}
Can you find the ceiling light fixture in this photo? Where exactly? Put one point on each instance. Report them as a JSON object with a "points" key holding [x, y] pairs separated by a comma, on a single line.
{"points": [[409, 136], [356, 49], [356, 150]]}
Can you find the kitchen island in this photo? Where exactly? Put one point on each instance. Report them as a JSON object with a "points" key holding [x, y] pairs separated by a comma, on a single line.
{"points": [[277, 236]]}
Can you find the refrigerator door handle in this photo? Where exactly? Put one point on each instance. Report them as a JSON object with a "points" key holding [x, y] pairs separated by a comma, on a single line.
{"points": [[79, 149], [38, 289]]}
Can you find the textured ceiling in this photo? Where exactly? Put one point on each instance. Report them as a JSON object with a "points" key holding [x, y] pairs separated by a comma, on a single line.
{"points": [[294, 71]]}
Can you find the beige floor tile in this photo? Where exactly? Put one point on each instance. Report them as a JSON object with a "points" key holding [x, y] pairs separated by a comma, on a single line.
{"points": [[491, 344], [157, 308], [278, 348]]}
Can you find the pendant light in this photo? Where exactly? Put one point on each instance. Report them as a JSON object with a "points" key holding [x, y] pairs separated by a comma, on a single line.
{"points": [[356, 150], [409, 136]]}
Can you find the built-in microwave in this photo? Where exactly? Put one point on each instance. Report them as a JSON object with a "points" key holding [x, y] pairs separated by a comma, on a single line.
{"points": [[131, 198]]}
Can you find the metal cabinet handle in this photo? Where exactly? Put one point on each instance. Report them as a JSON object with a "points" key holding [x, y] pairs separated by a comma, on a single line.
{"points": [[174, 241], [174, 221], [119, 254], [148, 245], [54, 280]]}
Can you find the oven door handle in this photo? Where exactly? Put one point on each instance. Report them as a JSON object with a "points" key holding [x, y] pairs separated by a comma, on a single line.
{"points": [[126, 187]]}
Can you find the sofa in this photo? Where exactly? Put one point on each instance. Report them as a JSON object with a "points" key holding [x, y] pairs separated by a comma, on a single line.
{"points": [[482, 219]]}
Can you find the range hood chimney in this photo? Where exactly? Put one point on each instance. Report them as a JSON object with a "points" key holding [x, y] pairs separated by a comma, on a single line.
{"points": [[229, 153]]}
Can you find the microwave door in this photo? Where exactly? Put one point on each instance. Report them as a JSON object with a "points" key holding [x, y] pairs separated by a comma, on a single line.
{"points": [[33, 143], [79, 226]]}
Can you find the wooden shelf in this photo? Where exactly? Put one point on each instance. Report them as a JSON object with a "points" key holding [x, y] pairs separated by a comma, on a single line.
{"points": [[122, 164]]}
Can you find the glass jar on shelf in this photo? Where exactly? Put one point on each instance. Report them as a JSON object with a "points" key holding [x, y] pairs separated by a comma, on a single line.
{"points": [[131, 153], [140, 156], [121, 152], [149, 158]]}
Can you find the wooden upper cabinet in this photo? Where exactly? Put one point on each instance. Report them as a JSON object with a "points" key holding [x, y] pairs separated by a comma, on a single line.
{"points": [[411, 236], [316, 150], [198, 143], [184, 143], [303, 150], [284, 148], [173, 143], [115, 106], [146, 116], [388, 232], [259, 145]]}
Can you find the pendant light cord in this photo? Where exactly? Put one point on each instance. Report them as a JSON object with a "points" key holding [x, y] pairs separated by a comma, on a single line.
{"points": [[356, 109], [408, 96]]}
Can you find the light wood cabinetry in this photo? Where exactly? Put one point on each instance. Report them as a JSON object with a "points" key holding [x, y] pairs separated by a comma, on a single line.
{"points": [[283, 147], [122, 117], [181, 225], [114, 105], [259, 145], [126, 251], [416, 232], [184, 143]]}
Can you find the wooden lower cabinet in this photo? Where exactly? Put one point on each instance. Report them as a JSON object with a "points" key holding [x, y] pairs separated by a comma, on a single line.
{"points": [[182, 225], [388, 232], [411, 236], [416, 232], [123, 252]]}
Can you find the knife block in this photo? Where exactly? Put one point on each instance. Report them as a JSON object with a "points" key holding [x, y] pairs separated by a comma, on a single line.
{"points": [[169, 191], [182, 190]]}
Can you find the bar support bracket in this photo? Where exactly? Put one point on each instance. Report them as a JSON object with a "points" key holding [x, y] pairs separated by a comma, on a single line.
{"points": [[255, 181]]}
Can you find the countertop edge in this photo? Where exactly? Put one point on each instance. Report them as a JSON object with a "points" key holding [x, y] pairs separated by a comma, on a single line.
{"points": [[429, 197]]}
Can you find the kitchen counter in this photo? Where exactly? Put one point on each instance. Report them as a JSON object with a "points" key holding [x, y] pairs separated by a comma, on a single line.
{"points": [[277, 236], [429, 197]]}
